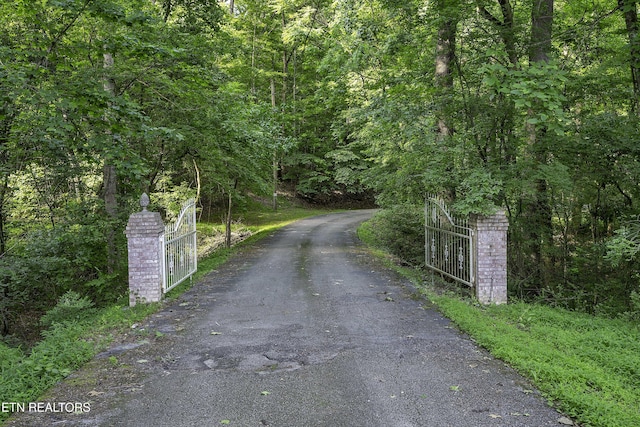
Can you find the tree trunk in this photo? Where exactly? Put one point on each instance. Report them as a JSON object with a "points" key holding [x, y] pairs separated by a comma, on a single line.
{"points": [[253, 64], [227, 234], [505, 28], [4, 191], [198, 185], [539, 209], [541, 30], [109, 179], [445, 56], [275, 154], [630, 11]]}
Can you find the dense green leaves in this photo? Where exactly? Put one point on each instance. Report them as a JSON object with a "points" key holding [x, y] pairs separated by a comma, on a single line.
{"points": [[127, 86], [334, 99]]}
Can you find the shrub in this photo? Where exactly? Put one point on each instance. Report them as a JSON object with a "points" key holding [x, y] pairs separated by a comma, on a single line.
{"points": [[9, 358], [23, 378], [71, 307], [400, 231]]}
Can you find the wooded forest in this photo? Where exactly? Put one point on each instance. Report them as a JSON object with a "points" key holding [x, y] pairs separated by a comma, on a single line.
{"points": [[531, 106]]}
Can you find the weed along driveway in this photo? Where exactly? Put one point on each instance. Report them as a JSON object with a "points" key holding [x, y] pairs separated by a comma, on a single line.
{"points": [[303, 329]]}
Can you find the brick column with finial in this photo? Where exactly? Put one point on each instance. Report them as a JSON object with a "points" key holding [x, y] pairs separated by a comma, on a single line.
{"points": [[145, 240]]}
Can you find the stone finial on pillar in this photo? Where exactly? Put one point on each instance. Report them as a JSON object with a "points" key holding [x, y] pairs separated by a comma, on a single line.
{"points": [[144, 201], [145, 240], [491, 257]]}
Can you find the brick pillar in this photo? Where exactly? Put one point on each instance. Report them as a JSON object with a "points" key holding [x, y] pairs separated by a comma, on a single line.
{"points": [[490, 250], [145, 232]]}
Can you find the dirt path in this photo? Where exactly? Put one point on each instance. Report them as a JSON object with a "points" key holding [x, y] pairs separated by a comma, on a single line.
{"points": [[304, 329]]}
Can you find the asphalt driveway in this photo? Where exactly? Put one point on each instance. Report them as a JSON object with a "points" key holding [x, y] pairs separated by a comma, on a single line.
{"points": [[303, 329]]}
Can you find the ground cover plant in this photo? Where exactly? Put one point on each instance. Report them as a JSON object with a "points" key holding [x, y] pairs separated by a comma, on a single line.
{"points": [[74, 335], [586, 366]]}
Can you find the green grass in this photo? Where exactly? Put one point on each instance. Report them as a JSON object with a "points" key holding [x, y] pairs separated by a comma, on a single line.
{"points": [[66, 346], [587, 367]]}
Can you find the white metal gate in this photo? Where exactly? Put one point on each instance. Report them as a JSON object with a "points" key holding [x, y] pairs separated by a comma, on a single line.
{"points": [[180, 249], [448, 243]]}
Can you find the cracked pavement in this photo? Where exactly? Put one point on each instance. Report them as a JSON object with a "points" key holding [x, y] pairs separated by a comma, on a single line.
{"points": [[303, 329]]}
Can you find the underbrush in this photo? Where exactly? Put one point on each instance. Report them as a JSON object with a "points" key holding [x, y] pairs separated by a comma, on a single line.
{"points": [[75, 333], [400, 231]]}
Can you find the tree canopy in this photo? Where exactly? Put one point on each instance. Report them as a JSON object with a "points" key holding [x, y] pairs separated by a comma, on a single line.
{"points": [[531, 106]]}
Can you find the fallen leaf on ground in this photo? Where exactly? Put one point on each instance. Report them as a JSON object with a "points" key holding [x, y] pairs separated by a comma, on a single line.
{"points": [[565, 421]]}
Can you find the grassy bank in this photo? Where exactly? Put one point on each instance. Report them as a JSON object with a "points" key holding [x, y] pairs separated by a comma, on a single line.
{"points": [[78, 332], [588, 367]]}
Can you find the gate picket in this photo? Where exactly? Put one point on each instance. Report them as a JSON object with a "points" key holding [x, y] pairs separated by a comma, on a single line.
{"points": [[448, 243], [180, 248]]}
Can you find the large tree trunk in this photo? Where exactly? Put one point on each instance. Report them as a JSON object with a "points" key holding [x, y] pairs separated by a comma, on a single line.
{"points": [[630, 11], [541, 30], [445, 56], [538, 213]]}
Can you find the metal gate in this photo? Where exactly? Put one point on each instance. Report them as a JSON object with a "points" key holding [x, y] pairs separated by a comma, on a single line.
{"points": [[180, 249], [448, 242]]}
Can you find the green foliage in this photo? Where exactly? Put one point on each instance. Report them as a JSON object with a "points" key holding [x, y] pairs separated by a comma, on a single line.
{"points": [[587, 365], [633, 314], [400, 231], [71, 307], [64, 258], [70, 342], [536, 90], [605, 294], [170, 197], [63, 349], [9, 357], [476, 194], [625, 244]]}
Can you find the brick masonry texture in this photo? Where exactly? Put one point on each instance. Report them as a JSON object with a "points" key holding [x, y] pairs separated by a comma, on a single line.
{"points": [[491, 257], [144, 241]]}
